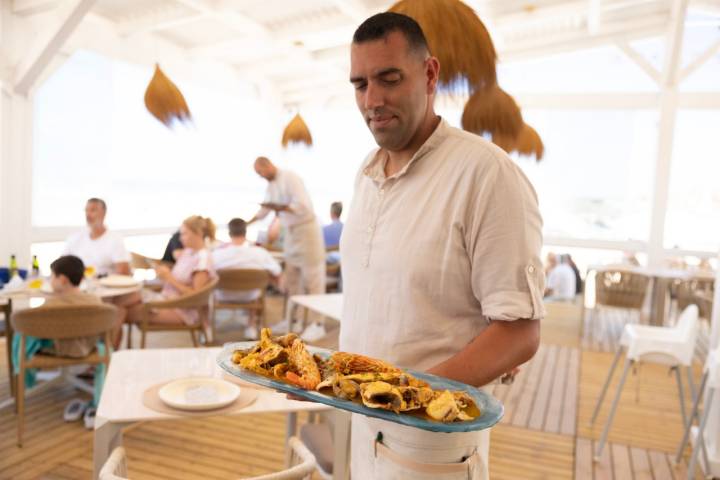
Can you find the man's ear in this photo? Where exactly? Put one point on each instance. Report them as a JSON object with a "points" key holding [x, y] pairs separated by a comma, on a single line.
{"points": [[432, 73]]}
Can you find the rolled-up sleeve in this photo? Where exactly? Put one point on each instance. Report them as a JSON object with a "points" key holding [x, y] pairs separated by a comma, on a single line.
{"points": [[504, 240]]}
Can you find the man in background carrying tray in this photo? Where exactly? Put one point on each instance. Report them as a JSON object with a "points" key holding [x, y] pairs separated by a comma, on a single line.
{"points": [[441, 253], [303, 245]]}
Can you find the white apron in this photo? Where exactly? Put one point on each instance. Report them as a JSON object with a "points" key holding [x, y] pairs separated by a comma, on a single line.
{"points": [[303, 244], [409, 453]]}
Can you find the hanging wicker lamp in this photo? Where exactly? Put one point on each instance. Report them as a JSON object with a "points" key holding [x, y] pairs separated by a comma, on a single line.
{"points": [[530, 143], [492, 110], [164, 100], [458, 39], [506, 142], [296, 132]]}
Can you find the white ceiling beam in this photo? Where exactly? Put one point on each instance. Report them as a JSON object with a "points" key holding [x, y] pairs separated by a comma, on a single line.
{"points": [[699, 61], [38, 59], [593, 16], [673, 49], [353, 9], [571, 41], [239, 22], [31, 7], [639, 60], [157, 21]]}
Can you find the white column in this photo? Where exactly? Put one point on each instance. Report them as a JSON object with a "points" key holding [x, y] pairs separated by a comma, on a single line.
{"points": [[15, 177], [668, 112]]}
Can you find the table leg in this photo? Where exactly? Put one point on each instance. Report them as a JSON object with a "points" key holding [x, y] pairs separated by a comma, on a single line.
{"points": [[107, 436], [658, 307], [7, 310], [341, 437], [291, 430]]}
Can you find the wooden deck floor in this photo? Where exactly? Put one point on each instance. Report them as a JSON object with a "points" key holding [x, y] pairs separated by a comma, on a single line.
{"points": [[544, 435]]}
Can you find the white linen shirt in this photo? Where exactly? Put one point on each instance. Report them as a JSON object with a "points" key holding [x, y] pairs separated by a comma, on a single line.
{"points": [[287, 188], [243, 256], [437, 250], [102, 252]]}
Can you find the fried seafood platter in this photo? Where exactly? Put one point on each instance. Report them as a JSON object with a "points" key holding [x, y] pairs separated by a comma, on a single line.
{"points": [[361, 384]]}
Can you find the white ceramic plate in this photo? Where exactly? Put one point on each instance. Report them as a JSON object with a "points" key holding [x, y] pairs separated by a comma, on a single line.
{"points": [[203, 393], [118, 281]]}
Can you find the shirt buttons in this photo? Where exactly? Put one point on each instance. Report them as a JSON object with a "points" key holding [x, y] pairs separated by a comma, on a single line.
{"points": [[531, 269]]}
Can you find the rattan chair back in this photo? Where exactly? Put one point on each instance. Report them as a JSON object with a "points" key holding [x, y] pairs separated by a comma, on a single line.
{"points": [[620, 288], [65, 321], [686, 293], [197, 299], [241, 279]]}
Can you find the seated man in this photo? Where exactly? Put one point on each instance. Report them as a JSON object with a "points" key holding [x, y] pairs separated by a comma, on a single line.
{"points": [[66, 274], [104, 251], [561, 283], [239, 253], [332, 232], [96, 246]]}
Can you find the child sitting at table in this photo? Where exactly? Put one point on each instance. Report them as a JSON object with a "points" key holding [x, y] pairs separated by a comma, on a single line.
{"points": [[67, 273]]}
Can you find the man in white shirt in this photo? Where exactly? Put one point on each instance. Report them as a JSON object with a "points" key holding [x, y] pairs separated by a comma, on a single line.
{"points": [[96, 246], [303, 244], [440, 251], [239, 253], [105, 252], [561, 282]]}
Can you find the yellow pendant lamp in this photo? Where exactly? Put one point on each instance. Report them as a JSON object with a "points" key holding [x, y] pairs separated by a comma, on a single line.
{"points": [[459, 40], [296, 132], [164, 100]]}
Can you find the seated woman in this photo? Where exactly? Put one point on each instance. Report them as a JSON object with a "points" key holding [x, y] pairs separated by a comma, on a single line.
{"points": [[191, 272]]}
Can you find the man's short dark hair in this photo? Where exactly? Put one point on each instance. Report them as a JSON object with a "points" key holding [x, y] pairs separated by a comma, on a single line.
{"points": [[99, 201], [70, 266], [336, 209], [381, 25], [237, 227]]}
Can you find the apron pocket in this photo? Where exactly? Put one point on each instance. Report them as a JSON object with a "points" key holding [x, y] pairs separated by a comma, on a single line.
{"points": [[391, 465]]}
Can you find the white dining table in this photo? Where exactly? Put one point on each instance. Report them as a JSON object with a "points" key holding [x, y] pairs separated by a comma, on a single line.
{"points": [[132, 372], [327, 304]]}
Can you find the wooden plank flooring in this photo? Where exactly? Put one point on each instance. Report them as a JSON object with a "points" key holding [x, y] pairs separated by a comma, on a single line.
{"points": [[544, 435]]}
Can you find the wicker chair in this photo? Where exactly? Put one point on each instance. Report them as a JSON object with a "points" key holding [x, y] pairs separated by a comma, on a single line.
{"points": [[242, 280], [685, 292], [115, 467], [55, 323], [199, 299], [622, 291]]}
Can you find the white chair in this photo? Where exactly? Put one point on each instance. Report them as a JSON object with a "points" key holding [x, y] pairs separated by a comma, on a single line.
{"points": [[672, 346], [711, 379], [115, 468], [318, 439]]}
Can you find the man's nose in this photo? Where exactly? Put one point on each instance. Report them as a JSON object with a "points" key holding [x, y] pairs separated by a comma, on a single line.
{"points": [[373, 97]]}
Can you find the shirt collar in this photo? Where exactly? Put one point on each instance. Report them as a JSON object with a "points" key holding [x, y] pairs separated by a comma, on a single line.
{"points": [[375, 170]]}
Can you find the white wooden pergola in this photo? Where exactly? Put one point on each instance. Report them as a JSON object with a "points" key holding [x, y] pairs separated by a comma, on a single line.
{"points": [[296, 53]]}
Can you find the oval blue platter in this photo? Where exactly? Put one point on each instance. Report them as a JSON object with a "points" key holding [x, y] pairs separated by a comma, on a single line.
{"points": [[491, 410]]}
